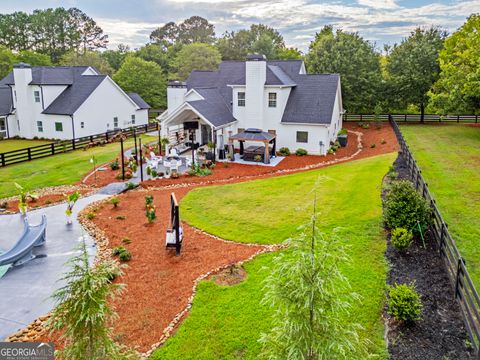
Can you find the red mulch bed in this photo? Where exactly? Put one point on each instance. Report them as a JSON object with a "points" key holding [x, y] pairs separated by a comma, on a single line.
{"points": [[158, 283], [51, 199], [223, 171]]}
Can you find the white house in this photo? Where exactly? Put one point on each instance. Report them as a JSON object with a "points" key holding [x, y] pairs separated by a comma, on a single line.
{"points": [[302, 110], [65, 102]]}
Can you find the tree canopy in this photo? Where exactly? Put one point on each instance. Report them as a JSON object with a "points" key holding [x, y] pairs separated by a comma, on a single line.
{"points": [[53, 32], [192, 30], [87, 58], [412, 67], [259, 38], [146, 78], [458, 88], [357, 62], [196, 56], [115, 57]]}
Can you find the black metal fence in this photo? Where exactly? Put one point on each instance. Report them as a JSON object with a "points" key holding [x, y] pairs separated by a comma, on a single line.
{"points": [[414, 118], [60, 147], [465, 291]]}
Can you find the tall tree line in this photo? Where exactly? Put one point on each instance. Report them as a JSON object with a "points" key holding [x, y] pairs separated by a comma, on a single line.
{"points": [[427, 71]]}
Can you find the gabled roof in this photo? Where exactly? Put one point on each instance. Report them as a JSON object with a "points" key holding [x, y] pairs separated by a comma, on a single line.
{"points": [[213, 107], [311, 100], [75, 95], [51, 75], [139, 101], [5, 100]]}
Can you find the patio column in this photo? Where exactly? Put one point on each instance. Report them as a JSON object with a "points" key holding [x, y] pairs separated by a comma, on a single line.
{"points": [[274, 147], [266, 159], [241, 147]]}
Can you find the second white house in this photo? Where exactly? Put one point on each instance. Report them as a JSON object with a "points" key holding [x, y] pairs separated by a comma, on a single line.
{"points": [[65, 102]]}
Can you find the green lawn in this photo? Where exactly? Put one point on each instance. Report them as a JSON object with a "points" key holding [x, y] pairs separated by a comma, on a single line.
{"points": [[449, 157], [226, 322], [11, 144], [59, 169]]}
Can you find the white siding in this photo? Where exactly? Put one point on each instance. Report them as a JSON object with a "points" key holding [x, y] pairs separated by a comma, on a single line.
{"points": [[255, 76], [175, 97], [50, 93], [106, 102]]}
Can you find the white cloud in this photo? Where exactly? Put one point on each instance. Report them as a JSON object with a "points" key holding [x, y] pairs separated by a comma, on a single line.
{"points": [[135, 34], [379, 4]]}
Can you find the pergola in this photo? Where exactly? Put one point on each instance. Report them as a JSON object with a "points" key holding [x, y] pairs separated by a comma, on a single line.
{"points": [[255, 135]]}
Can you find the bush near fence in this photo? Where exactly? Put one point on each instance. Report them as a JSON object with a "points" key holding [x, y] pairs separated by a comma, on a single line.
{"points": [[465, 291], [41, 151], [414, 118]]}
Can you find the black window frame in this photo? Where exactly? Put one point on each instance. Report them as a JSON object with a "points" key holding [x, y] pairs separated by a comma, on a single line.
{"points": [[241, 101], [272, 103], [299, 140]]}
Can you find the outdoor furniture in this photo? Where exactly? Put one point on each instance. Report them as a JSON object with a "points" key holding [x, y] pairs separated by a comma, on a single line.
{"points": [[255, 135], [22, 251], [174, 235], [174, 165]]}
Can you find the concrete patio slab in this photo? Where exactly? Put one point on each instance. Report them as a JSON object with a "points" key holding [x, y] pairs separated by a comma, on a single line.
{"points": [[25, 290]]}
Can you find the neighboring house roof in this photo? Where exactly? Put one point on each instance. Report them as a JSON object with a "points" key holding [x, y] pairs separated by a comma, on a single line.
{"points": [[5, 100], [78, 88], [139, 101], [74, 96], [311, 99], [51, 75]]}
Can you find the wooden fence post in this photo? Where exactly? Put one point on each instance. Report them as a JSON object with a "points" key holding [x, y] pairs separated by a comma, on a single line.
{"points": [[29, 154], [73, 144], [3, 159]]}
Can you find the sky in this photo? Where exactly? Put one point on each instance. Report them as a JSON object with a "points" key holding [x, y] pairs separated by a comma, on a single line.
{"points": [[381, 21]]}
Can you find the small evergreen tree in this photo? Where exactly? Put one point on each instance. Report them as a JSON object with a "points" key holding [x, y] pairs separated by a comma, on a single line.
{"points": [[310, 297], [84, 309]]}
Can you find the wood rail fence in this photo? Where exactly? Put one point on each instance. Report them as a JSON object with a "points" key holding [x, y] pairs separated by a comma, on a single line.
{"points": [[64, 146], [465, 291], [414, 118]]}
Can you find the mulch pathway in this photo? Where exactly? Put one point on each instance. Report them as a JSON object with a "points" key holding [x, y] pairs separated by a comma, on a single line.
{"points": [[384, 140], [160, 286]]}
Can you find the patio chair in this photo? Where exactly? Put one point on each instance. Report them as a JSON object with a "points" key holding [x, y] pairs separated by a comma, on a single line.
{"points": [[174, 165]]}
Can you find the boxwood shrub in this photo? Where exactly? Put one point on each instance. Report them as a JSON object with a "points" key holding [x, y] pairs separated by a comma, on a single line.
{"points": [[404, 303], [401, 238], [403, 207]]}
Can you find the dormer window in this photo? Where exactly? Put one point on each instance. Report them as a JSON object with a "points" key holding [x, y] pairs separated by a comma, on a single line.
{"points": [[241, 99], [272, 100], [36, 95]]}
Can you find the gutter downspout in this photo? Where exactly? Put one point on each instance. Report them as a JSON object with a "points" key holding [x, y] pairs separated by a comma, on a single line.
{"points": [[6, 123], [73, 133]]}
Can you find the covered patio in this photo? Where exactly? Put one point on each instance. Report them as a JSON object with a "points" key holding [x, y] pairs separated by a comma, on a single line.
{"points": [[260, 152]]}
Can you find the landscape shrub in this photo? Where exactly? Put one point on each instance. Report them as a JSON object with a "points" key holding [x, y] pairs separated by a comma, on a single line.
{"points": [[126, 240], [151, 213], [404, 303], [401, 238], [257, 158], [343, 131], [383, 142], [114, 165], [149, 170], [284, 151], [121, 217], [372, 146], [197, 170], [404, 207], [117, 250], [148, 200], [301, 152], [115, 201], [130, 186], [91, 215], [125, 256], [153, 173]]}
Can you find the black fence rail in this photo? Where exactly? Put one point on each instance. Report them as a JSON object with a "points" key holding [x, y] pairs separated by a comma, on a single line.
{"points": [[60, 147], [465, 291], [414, 118]]}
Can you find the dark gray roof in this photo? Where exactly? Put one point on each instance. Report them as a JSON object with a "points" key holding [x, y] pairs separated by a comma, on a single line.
{"points": [[213, 108], [51, 75], [6, 103], [253, 135], [139, 101], [74, 96], [311, 99]]}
